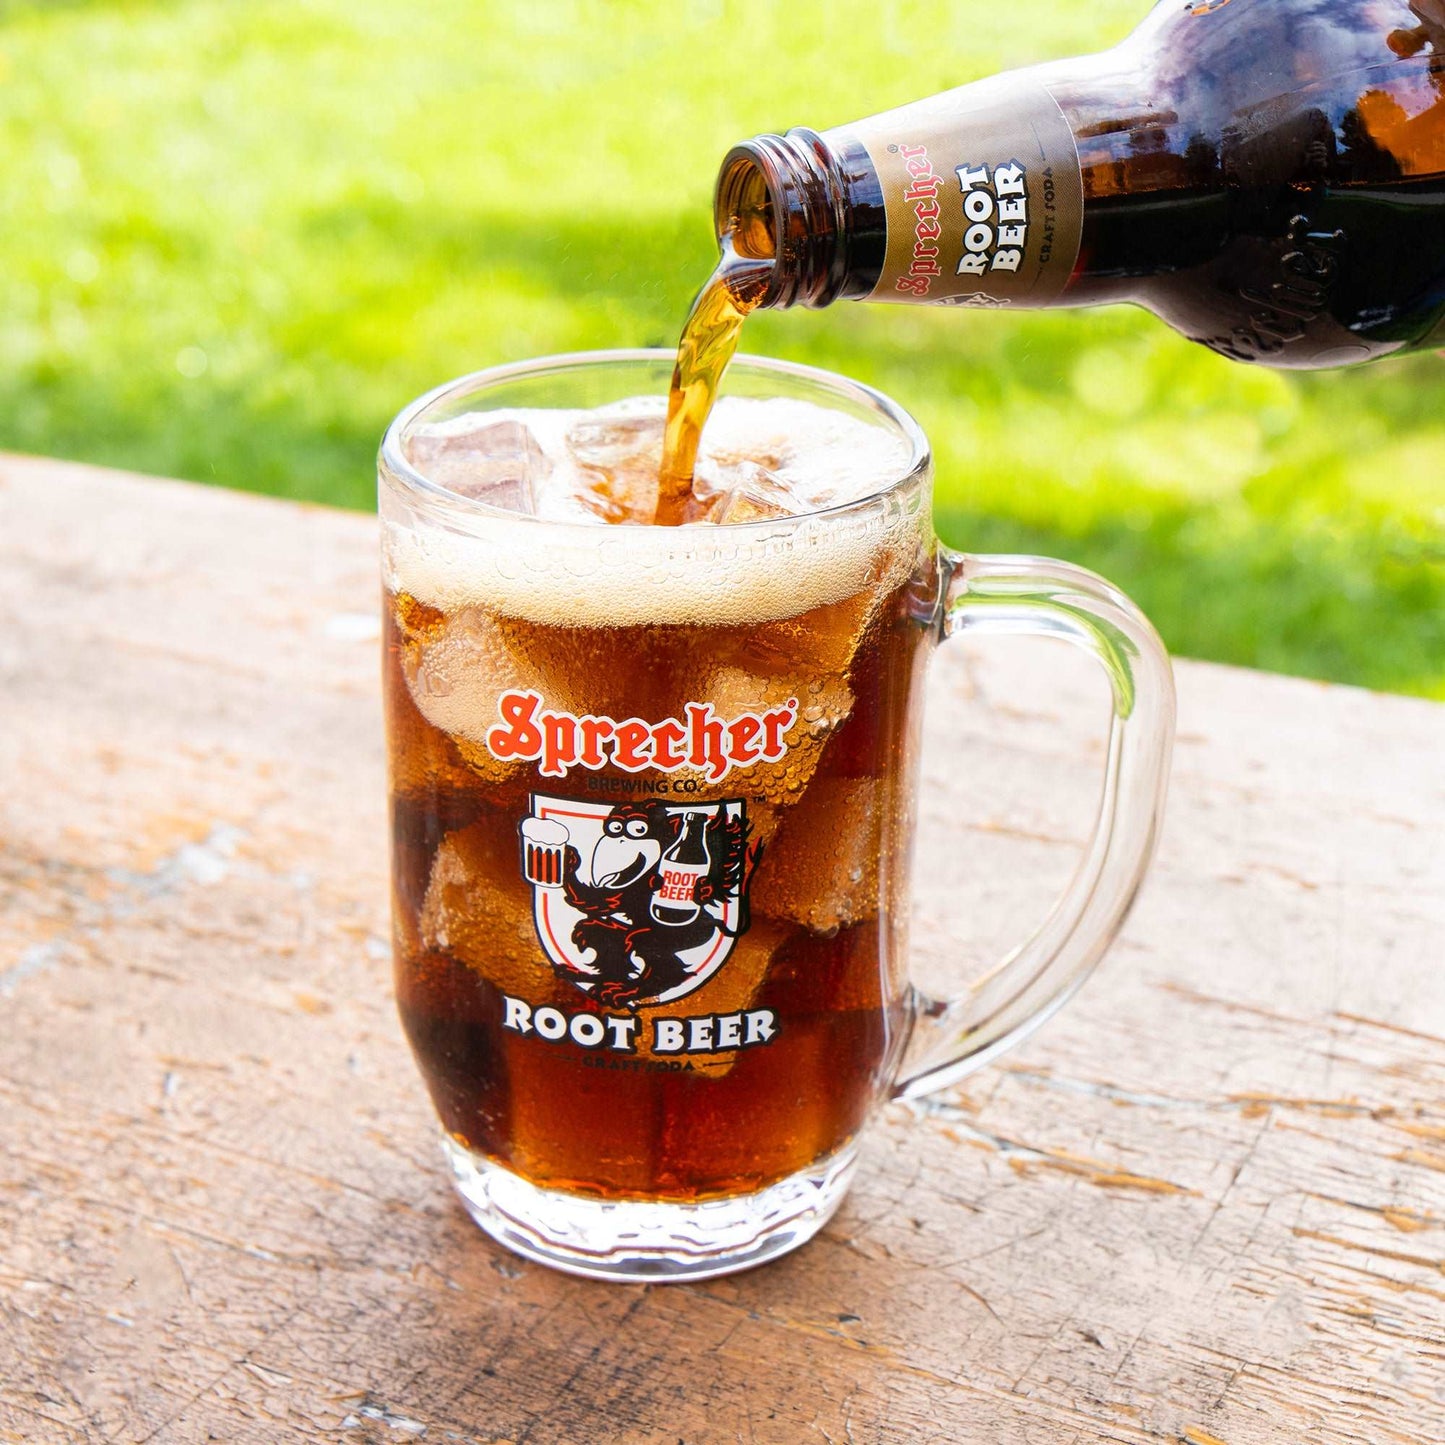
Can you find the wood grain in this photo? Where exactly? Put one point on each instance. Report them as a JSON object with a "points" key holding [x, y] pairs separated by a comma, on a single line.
{"points": [[1206, 1204]]}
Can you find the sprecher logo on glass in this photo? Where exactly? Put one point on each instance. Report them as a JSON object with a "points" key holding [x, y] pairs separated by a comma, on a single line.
{"points": [[639, 902]]}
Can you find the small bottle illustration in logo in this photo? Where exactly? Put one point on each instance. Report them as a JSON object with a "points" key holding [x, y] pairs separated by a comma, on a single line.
{"points": [[683, 865]]}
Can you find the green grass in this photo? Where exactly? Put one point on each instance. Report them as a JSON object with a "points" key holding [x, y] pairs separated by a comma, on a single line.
{"points": [[239, 236]]}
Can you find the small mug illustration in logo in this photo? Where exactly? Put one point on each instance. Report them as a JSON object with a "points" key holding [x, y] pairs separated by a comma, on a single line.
{"points": [[638, 902]]}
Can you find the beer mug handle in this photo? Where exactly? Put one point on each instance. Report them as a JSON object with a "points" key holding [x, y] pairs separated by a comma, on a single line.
{"points": [[1039, 597]]}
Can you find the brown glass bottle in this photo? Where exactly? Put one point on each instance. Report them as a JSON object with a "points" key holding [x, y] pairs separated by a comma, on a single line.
{"points": [[1267, 176]]}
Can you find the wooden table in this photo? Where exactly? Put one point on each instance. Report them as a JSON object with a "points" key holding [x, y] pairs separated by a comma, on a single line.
{"points": [[1205, 1205]]}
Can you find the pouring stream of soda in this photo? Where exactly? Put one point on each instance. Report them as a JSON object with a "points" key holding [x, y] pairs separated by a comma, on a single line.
{"points": [[709, 339]]}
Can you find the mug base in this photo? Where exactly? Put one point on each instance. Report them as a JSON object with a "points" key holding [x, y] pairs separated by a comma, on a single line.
{"points": [[647, 1241]]}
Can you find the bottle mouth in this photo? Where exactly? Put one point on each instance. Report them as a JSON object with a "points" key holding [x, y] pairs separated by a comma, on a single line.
{"points": [[776, 200], [744, 209]]}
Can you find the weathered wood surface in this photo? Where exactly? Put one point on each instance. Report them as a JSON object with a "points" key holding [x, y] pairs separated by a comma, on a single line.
{"points": [[1206, 1204]]}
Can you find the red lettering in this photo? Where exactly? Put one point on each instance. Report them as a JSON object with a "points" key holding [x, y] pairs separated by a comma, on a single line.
{"points": [[595, 731], [633, 739], [775, 724], [558, 741], [922, 193], [705, 749], [743, 735], [559, 744], [520, 737], [667, 738], [677, 887]]}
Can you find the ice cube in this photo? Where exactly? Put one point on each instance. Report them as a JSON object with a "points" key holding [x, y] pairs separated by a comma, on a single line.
{"points": [[709, 494], [824, 702], [479, 909], [611, 471], [422, 762], [823, 458], [499, 462], [704, 509], [755, 494], [825, 858], [818, 643], [621, 495], [619, 436], [456, 670]]}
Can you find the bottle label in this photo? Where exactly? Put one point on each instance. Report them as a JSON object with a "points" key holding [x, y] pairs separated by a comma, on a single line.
{"points": [[983, 194]]}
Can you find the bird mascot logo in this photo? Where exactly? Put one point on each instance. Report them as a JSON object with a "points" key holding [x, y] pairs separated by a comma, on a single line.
{"points": [[638, 902]]}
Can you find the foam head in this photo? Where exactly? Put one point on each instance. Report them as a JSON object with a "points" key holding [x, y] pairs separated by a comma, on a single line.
{"points": [[560, 566]]}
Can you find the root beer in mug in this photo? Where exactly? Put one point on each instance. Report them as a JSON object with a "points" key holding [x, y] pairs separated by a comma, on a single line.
{"points": [[653, 796]]}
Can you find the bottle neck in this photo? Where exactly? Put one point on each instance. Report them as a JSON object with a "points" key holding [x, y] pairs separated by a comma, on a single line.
{"points": [[814, 208]]}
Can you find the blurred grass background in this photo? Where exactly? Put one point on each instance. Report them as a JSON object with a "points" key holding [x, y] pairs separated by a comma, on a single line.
{"points": [[238, 237]]}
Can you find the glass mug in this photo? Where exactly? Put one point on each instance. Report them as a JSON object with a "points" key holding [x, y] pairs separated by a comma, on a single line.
{"points": [[652, 802]]}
